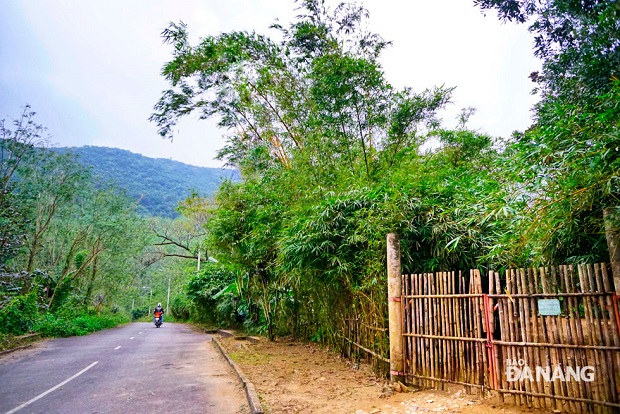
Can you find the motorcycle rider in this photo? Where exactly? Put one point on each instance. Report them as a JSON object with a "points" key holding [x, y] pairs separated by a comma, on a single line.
{"points": [[159, 310]]}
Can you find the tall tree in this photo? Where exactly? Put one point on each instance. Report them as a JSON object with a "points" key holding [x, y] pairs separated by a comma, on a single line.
{"points": [[16, 145]]}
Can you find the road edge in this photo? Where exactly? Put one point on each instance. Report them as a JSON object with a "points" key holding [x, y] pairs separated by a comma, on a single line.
{"points": [[23, 342], [250, 391]]}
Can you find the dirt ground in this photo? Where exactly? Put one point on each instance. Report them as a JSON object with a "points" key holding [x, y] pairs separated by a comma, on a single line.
{"points": [[293, 377]]}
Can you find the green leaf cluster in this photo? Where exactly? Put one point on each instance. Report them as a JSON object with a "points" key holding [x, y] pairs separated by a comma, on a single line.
{"points": [[333, 157]]}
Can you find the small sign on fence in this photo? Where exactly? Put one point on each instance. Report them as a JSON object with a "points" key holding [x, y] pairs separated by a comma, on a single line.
{"points": [[549, 307]]}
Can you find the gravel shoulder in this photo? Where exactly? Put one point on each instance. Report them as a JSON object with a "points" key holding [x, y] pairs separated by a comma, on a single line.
{"points": [[292, 377]]}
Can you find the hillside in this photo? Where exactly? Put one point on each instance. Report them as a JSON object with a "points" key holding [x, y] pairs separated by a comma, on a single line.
{"points": [[158, 183]]}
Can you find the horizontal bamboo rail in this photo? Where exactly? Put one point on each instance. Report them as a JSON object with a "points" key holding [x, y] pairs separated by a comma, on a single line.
{"points": [[374, 328], [380, 357], [466, 384], [449, 338], [547, 345], [508, 296], [560, 397]]}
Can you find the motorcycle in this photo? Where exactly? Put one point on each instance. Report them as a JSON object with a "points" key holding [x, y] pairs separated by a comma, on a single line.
{"points": [[158, 321]]}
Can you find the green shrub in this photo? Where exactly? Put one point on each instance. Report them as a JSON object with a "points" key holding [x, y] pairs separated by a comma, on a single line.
{"points": [[19, 315], [7, 342], [137, 313], [56, 326], [179, 308]]}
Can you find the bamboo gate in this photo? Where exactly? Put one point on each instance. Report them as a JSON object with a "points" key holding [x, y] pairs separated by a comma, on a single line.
{"points": [[545, 338]]}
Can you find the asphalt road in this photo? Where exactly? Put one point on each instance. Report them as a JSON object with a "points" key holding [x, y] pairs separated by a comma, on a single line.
{"points": [[132, 369]]}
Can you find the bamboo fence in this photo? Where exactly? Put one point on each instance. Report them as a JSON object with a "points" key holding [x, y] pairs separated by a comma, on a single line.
{"points": [[457, 329], [365, 333]]}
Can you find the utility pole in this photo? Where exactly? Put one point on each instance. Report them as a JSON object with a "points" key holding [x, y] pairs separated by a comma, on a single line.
{"points": [[168, 301], [151, 300]]}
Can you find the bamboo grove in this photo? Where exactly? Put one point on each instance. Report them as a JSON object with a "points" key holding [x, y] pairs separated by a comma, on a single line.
{"points": [[333, 157]]}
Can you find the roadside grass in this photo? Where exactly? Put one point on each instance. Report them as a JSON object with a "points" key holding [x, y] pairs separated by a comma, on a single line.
{"points": [[50, 325], [7, 342]]}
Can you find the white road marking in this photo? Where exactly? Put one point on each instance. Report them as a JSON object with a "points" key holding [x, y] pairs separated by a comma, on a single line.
{"points": [[131, 337], [117, 347], [38, 397], [140, 333]]}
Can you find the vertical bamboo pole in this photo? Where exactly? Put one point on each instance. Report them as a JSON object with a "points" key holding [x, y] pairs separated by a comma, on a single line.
{"points": [[432, 327], [513, 330], [395, 310], [598, 335], [563, 355], [414, 324], [571, 286], [522, 304], [409, 344], [545, 355], [615, 334], [429, 323], [606, 334], [479, 327], [530, 316], [552, 337], [445, 361], [500, 354], [458, 329], [416, 328], [588, 333], [612, 233]]}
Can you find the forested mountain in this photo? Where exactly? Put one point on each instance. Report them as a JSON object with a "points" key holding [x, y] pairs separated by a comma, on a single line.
{"points": [[158, 183]]}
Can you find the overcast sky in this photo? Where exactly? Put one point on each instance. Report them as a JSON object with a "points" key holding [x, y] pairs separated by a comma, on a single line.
{"points": [[91, 69]]}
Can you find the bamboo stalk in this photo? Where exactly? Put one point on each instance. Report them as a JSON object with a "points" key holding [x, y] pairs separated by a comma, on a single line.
{"points": [[575, 353], [473, 288], [501, 354], [563, 353], [428, 371], [407, 327], [467, 325], [449, 332], [432, 327], [531, 326], [615, 334], [525, 333], [589, 335], [440, 329], [511, 331], [608, 329], [380, 357], [581, 354], [457, 328], [543, 353], [411, 341], [596, 336], [416, 327], [604, 336], [444, 344]]}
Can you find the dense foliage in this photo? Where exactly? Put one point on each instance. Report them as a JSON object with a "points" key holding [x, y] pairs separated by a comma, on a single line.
{"points": [[333, 158], [72, 248]]}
